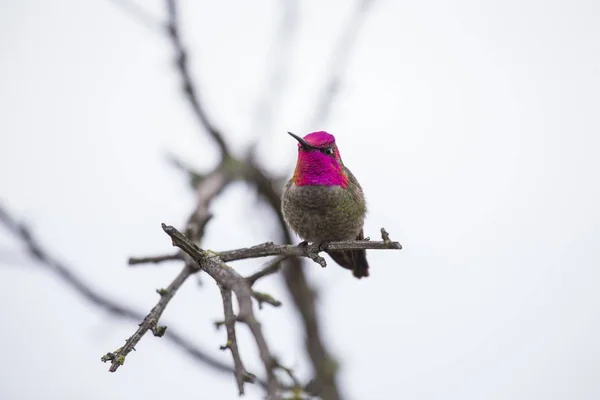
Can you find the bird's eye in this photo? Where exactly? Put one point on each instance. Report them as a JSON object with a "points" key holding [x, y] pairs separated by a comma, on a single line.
{"points": [[328, 151]]}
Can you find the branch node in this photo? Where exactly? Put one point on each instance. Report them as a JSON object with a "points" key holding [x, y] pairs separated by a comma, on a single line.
{"points": [[385, 237], [108, 357], [249, 377], [317, 258], [262, 297], [219, 324], [226, 346], [159, 330]]}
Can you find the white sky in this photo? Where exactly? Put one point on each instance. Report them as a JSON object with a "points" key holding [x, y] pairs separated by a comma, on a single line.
{"points": [[472, 126]]}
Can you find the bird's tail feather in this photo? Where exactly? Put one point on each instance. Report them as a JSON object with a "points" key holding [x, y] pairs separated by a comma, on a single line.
{"points": [[355, 260]]}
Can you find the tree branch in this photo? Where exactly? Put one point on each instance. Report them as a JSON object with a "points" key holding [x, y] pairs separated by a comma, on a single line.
{"points": [[271, 268], [229, 278], [155, 259], [241, 375], [302, 294], [209, 188], [310, 250], [188, 85], [150, 322], [36, 250]]}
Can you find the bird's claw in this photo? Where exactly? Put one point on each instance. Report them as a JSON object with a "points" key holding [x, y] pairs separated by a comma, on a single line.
{"points": [[323, 246], [313, 255], [303, 245]]}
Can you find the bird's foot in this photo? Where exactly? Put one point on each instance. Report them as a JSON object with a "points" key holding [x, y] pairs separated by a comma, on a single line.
{"points": [[323, 246], [303, 245], [312, 255]]}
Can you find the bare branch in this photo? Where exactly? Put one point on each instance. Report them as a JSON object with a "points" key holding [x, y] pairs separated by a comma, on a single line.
{"points": [[188, 85], [210, 187], [309, 250], [290, 374], [271, 268], [150, 322], [241, 375], [229, 278], [270, 249], [155, 259], [35, 249], [269, 189]]}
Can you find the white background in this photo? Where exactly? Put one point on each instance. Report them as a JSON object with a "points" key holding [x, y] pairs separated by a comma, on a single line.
{"points": [[472, 126]]}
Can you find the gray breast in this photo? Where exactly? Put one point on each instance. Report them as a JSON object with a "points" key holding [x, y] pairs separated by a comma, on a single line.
{"points": [[323, 213]]}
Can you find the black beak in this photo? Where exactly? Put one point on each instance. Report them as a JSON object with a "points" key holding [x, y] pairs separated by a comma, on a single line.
{"points": [[303, 142]]}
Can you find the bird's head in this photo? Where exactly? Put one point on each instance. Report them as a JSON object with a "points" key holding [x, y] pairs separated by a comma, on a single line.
{"points": [[319, 161]]}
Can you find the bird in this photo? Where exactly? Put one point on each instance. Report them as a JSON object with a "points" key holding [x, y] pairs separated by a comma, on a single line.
{"points": [[323, 201]]}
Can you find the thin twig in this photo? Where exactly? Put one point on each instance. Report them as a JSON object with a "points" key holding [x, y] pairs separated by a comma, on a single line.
{"points": [[241, 375], [150, 322], [270, 268], [290, 373], [188, 85], [155, 259], [210, 187]]}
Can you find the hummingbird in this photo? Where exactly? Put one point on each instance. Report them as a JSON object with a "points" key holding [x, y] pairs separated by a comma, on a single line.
{"points": [[323, 202]]}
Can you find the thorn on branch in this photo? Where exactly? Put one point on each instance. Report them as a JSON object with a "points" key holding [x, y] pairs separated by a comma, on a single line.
{"points": [[226, 346]]}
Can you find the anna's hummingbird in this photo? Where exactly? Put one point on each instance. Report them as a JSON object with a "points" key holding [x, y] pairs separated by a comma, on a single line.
{"points": [[323, 201]]}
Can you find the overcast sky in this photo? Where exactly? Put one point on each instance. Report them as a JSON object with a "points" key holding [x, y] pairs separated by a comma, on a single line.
{"points": [[472, 126]]}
